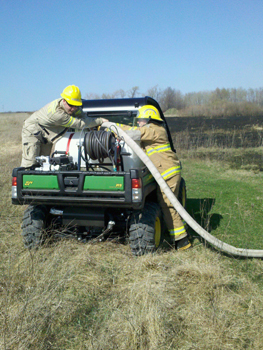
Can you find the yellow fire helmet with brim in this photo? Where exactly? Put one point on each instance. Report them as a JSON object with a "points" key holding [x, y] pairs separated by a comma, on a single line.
{"points": [[148, 112], [72, 95]]}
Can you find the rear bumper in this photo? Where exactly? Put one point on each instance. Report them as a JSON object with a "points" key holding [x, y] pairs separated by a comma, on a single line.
{"points": [[70, 193]]}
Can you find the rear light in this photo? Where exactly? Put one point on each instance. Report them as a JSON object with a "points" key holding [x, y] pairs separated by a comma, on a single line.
{"points": [[14, 187], [136, 183], [136, 190]]}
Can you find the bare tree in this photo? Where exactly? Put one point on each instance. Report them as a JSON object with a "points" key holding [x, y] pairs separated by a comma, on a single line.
{"points": [[105, 96], [92, 96], [133, 91], [155, 93], [171, 98], [119, 93]]}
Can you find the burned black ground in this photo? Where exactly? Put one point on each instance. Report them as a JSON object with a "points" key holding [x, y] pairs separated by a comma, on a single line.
{"points": [[236, 140]]}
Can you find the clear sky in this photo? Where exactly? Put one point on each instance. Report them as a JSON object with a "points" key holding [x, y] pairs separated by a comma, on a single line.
{"points": [[106, 45]]}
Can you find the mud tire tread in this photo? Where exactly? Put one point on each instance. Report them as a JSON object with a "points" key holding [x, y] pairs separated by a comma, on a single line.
{"points": [[33, 226], [142, 229]]}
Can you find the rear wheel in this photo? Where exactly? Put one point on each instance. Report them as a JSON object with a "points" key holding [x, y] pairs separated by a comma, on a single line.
{"points": [[145, 233], [33, 226]]}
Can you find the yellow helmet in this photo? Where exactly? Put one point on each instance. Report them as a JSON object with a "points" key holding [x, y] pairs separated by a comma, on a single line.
{"points": [[72, 95], [149, 112]]}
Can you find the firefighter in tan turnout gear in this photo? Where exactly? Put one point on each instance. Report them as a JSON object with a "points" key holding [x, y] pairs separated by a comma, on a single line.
{"points": [[155, 143], [48, 124]]}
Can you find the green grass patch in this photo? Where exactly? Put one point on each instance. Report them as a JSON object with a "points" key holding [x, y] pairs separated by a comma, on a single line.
{"points": [[227, 202], [235, 158]]}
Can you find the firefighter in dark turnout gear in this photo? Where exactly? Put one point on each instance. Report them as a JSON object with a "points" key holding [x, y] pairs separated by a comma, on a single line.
{"points": [[155, 143], [48, 124]]}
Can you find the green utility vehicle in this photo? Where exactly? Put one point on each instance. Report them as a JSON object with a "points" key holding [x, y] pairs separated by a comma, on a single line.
{"points": [[93, 186]]}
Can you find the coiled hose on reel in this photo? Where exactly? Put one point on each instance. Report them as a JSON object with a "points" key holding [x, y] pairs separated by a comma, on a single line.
{"points": [[98, 145], [252, 253]]}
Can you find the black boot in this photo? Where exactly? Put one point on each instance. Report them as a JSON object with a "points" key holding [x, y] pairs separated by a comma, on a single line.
{"points": [[183, 244]]}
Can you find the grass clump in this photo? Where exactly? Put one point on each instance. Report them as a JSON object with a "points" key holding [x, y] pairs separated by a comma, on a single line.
{"points": [[67, 296]]}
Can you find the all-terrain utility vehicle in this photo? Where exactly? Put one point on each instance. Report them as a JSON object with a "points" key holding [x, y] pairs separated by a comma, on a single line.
{"points": [[93, 186]]}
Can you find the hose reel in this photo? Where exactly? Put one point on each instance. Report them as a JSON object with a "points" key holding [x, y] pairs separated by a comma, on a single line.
{"points": [[99, 144]]}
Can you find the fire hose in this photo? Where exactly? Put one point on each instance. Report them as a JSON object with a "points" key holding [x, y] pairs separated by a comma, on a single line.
{"points": [[227, 248]]}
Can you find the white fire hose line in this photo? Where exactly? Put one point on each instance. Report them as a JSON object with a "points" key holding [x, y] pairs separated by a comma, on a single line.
{"points": [[252, 253]]}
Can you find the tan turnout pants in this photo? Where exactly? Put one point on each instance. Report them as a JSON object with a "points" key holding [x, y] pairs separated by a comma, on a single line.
{"points": [[32, 148], [172, 219]]}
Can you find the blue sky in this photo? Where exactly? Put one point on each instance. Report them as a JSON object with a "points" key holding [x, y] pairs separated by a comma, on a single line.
{"points": [[106, 45]]}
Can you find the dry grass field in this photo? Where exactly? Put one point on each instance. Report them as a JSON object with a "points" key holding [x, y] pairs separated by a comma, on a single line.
{"points": [[69, 295]]}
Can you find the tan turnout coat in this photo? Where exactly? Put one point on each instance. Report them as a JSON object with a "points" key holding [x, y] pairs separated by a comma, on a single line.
{"points": [[155, 143], [47, 125]]}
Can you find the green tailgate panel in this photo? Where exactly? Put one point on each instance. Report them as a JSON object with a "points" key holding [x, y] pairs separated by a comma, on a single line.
{"points": [[104, 183], [37, 182]]}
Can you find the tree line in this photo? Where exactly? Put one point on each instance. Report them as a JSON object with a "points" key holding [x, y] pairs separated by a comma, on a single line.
{"points": [[218, 103]]}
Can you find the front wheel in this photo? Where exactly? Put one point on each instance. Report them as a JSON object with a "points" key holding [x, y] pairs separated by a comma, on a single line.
{"points": [[145, 232]]}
